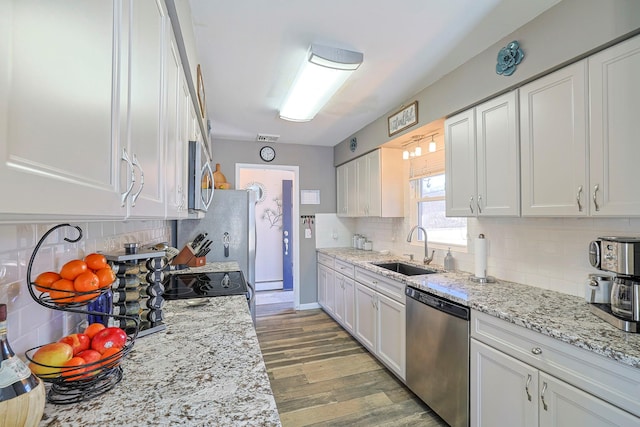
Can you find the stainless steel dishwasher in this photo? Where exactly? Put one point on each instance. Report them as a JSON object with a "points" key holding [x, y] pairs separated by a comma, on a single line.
{"points": [[438, 355]]}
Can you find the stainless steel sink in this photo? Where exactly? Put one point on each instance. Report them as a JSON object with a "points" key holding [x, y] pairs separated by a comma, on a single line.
{"points": [[406, 269]]}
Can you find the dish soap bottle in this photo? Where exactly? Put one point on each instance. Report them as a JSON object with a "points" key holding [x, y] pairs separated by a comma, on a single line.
{"points": [[22, 394], [449, 263]]}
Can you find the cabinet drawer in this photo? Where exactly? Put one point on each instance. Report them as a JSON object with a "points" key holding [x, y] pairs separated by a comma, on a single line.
{"points": [[611, 381], [384, 285], [344, 267], [325, 259]]}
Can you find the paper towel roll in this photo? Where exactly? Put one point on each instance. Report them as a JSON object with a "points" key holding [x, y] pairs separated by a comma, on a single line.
{"points": [[481, 257]]}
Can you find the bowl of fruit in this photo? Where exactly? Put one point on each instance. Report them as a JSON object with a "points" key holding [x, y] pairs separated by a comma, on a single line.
{"points": [[83, 365], [78, 282]]}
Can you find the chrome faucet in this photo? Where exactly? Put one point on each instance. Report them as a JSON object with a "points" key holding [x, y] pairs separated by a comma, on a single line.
{"points": [[427, 258]]}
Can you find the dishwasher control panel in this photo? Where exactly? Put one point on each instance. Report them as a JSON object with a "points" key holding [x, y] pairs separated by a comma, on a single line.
{"points": [[439, 303]]}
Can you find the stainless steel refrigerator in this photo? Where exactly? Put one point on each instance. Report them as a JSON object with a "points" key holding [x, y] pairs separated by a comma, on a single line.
{"points": [[231, 212]]}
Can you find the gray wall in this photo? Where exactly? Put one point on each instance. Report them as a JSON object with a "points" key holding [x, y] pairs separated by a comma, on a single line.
{"points": [[316, 173], [566, 32]]}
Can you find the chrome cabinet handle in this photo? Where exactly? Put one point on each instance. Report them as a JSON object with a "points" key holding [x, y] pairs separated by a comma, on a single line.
{"points": [[544, 389], [578, 197], [595, 202], [479, 203], [123, 196], [536, 350], [526, 387], [471, 204], [135, 196]]}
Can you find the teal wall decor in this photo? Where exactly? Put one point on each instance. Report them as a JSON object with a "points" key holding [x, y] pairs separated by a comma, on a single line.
{"points": [[508, 58]]}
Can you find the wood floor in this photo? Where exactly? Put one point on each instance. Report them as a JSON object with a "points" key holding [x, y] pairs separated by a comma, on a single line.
{"points": [[321, 376]]}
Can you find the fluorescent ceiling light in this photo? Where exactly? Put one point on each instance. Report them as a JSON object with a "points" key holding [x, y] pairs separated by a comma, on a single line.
{"points": [[324, 70]]}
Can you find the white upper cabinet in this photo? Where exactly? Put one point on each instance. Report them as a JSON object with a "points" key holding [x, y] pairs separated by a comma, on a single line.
{"points": [[58, 109], [614, 89], [342, 193], [482, 160], [149, 46], [553, 138]]}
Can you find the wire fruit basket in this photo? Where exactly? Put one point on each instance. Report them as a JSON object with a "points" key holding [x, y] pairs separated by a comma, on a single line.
{"points": [[72, 384]]}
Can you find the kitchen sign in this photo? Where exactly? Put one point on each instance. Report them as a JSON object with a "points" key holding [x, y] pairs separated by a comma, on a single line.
{"points": [[403, 119]]}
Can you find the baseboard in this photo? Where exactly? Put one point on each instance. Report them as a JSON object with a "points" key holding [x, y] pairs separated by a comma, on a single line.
{"points": [[309, 306]]}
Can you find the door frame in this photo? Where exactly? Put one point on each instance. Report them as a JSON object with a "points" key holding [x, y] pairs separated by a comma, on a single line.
{"points": [[295, 214]]}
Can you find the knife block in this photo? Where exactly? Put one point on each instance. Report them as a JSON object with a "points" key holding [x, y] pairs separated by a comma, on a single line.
{"points": [[188, 257]]}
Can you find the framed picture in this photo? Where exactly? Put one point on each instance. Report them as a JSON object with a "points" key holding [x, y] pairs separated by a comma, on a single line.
{"points": [[201, 97], [403, 119]]}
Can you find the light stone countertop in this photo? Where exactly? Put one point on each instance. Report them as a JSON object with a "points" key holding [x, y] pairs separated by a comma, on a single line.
{"points": [[564, 317], [205, 369]]}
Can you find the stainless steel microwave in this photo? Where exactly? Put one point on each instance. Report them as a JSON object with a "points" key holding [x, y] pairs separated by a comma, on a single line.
{"points": [[200, 178]]}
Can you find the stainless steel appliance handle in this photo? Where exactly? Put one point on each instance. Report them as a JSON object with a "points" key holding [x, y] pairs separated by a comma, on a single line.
{"points": [[526, 387], [135, 196], [578, 197], [478, 203], [123, 196], [471, 204], [544, 389], [595, 201]]}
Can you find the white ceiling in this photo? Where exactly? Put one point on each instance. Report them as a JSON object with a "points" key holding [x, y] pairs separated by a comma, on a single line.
{"points": [[250, 51]]}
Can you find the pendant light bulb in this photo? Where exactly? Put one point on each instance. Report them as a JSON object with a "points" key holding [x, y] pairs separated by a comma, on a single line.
{"points": [[432, 145], [418, 151], [405, 155]]}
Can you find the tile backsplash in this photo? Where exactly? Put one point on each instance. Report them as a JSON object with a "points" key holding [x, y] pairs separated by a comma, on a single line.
{"points": [[29, 323], [549, 253]]}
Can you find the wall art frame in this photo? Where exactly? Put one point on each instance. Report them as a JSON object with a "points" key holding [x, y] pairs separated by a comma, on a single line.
{"points": [[403, 118]]}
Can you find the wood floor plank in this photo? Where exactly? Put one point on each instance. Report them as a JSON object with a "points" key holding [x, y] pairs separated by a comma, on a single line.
{"points": [[321, 376]]}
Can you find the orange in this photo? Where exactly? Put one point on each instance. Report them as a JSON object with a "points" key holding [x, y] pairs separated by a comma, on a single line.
{"points": [[62, 291], [86, 297], [73, 269], [96, 261], [106, 277], [86, 282], [46, 279], [110, 360], [73, 368], [93, 329]]}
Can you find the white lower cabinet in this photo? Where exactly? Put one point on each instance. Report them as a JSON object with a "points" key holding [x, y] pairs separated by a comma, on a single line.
{"points": [[344, 301], [326, 288], [380, 326], [509, 392]]}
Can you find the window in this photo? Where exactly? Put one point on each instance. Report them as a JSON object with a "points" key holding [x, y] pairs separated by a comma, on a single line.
{"points": [[428, 207]]}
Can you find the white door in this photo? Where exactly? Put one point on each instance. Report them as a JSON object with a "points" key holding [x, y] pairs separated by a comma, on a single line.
{"points": [[323, 278], [614, 90], [498, 157], [338, 300], [342, 190], [391, 321], [349, 303], [503, 390], [460, 170], [553, 143], [562, 405], [366, 315]]}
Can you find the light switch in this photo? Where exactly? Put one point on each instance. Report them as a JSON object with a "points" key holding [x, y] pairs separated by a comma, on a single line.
{"points": [[307, 233]]}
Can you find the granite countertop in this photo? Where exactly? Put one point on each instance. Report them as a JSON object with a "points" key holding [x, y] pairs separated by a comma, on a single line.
{"points": [[205, 369], [564, 317]]}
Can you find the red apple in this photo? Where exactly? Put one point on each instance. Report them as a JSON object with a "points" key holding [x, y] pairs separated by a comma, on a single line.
{"points": [[108, 338], [78, 342], [90, 356], [53, 354]]}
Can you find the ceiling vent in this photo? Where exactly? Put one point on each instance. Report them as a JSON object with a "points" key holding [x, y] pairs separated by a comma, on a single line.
{"points": [[264, 137]]}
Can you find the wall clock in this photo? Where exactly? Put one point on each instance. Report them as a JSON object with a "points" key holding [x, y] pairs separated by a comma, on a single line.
{"points": [[267, 153]]}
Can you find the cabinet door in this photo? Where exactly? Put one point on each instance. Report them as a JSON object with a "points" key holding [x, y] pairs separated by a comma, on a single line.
{"points": [[553, 144], [147, 44], [562, 405], [338, 305], [175, 133], [362, 186], [58, 109], [352, 189], [366, 315], [614, 91], [503, 390], [391, 329], [498, 157], [342, 193], [323, 273], [460, 170], [374, 205], [348, 296], [330, 293]]}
